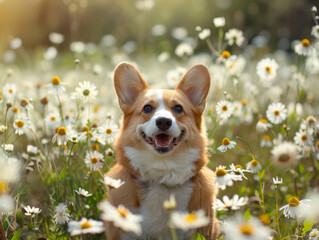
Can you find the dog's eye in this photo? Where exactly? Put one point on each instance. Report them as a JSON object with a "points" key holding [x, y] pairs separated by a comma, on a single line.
{"points": [[147, 108], [178, 109]]}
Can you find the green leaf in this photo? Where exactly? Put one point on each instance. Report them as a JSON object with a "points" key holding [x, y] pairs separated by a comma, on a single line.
{"points": [[307, 224], [17, 235], [247, 214], [63, 173], [200, 237], [261, 174], [5, 225]]}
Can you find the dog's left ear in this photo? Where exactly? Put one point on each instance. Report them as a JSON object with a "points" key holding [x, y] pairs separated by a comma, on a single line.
{"points": [[195, 84]]}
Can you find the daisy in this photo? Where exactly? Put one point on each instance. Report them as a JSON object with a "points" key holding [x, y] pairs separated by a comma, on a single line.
{"points": [[94, 160], [56, 38], [226, 144], [170, 204], [85, 226], [113, 183], [98, 138], [224, 109], [285, 154], [121, 217], [303, 47], [234, 36], [276, 113], [3, 128], [277, 181], [296, 208], [205, 33], [7, 203], [52, 120], [266, 141], [232, 204], [267, 69], [56, 86], [315, 31], [61, 216], [219, 22], [21, 125], [83, 193], [242, 229], [254, 166], [9, 90], [184, 49], [173, 76], [314, 234], [109, 131], [226, 55], [61, 136], [86, 92], [303, 138], [8, 147], [238, 169], [26, 104], [223, 178], [187, 221], [31, 211]]}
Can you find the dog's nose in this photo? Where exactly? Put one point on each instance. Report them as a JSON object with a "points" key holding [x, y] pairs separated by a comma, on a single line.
{"points": [[163, 123]]}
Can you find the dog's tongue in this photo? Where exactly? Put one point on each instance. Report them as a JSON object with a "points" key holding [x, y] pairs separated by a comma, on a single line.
{"points": [[162, 140]]}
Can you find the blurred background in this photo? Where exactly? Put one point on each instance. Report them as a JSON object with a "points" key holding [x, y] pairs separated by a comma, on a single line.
{"points": [[147, 25]]}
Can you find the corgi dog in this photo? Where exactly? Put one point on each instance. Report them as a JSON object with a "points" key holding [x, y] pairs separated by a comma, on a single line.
{"points": [[161, 150]]}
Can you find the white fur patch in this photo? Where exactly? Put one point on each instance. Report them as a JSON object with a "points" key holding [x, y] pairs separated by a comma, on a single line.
{"points": [[171, 170]]}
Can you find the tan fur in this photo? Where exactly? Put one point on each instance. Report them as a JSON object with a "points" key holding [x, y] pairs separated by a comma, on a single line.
{"points": [[191, 93]]}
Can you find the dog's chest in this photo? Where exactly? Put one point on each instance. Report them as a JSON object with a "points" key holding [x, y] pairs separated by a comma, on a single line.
{"points": [[156, 218]]}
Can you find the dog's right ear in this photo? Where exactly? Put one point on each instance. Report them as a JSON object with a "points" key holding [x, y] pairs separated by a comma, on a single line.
{"points": [[128, 84]]}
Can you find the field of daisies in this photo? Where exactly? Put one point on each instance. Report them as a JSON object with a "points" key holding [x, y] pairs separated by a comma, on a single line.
{"points": [[60, 116]]}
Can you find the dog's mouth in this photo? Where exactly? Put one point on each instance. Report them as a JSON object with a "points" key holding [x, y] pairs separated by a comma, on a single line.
{"points": [[163, 143]]}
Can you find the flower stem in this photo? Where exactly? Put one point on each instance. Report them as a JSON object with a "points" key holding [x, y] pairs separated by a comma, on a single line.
{"points": [[277, 213]]}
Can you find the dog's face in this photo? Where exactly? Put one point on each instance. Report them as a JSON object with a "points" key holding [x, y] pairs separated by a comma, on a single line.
{"points": [[163, 122]]}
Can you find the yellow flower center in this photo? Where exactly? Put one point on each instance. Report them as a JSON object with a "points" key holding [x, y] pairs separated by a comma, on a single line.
{"points": [[108, 131], [226, 54], [190, 217], [264, 219], [224, 108], [94, 160], [226, 142], [263, 120], [85, 225], [243, 102], [238, 167], [52, 118], [122, 211], [24, 102], [304, 137], [61, 131], [3, 187], [96, 108], [266, 138], [246, 229], [95, 147], [311, 119], [56, 81], [276, 112], [20, 124], [254, 163], [89, 133], [85, 129], [284, 158], [294, 202], [15, 109], [305, 42], [10, 90], [61, 214], [268, 69], [220, 172]]}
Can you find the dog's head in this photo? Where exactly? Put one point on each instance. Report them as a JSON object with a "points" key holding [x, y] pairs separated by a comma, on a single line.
{"points": [[163, 122]]}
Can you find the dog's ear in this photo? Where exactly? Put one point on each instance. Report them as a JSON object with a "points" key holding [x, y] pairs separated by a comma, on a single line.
{"points": [[128, 84], [195, 84]]}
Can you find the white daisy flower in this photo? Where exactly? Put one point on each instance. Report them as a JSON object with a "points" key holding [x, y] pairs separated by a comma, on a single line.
{"points": [[83, 193], [205, 33], [226, 144], [8, 147], [238, 169], [267, 69], [223, 178], [109, 131], [9, 91], [314, 234], [303, 47], [52, 120], [266, 141], [303, 139], [56, 87], [86, 92], [85, 226], [276, 113], [285, 154], [21, 125], [56, 38], [277, 181], [26, 104], [296, 208], [315, 31], [234, 36], [219, 22], [113, 183], [121, 217], [242, 229], [230, 204], [61, 216], [61, 136], [224, 109], [184, 49], [187, 221], [31, 211], [94, 160], [254, 166], [7, 203], [98, 138]]}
